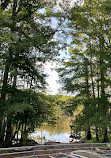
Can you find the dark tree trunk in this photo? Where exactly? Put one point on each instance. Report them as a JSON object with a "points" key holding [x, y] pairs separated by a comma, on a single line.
{"points": [[22, 134], [97, 136], [9, 134], [88, 136], [8, 138], [3, 97], [1, 134], [5, 81], [105, 139], [92, 81]]}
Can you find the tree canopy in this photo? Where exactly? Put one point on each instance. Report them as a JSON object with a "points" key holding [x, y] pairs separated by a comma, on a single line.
{"points": [[87, 73]]}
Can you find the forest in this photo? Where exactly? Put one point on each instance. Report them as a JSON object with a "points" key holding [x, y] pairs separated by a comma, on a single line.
{"points": [[34, 32]]}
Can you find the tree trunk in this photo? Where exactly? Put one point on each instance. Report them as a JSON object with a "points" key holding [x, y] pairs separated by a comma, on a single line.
{"points": [[22, 134], [5, 82], [88, 136], [97, 136], [3, 98], [8, 138], [92, 81], [105, 139], [103, 94], [2, 128], [3, 94], [8, 142]]}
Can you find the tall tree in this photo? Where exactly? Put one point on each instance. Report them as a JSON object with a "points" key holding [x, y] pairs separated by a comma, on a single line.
{"points": [[89, 29], [26, 36]]}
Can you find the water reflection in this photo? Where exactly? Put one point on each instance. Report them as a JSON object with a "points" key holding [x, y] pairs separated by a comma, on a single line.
{"points": [[48, 133], [45, 136]]}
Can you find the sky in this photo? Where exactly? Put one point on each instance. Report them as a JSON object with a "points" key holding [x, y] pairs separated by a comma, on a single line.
{"points": [[52, 78], [54, 86]]}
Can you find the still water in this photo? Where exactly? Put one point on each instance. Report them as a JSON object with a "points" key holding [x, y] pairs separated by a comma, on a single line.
{"points": [[45, 136], [58, 133]]}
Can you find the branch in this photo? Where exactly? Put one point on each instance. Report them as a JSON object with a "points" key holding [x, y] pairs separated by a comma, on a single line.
{"points": [[4, 4]]}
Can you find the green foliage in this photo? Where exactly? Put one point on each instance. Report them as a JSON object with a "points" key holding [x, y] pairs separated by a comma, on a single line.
{"points": [[28, 108], [28, 142], [26, 43], [87, 72]]}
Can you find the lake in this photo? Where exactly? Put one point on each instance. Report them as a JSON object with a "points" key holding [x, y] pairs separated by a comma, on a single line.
{"points": [[45, 136], [52, 133]]}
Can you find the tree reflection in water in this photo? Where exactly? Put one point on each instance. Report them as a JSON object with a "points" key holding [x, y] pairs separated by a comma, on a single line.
{"points": [[59, 132]]}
